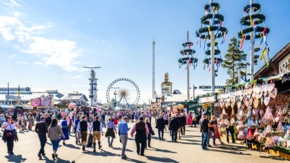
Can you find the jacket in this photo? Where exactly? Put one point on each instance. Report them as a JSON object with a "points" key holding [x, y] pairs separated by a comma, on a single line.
{"points": [[174, 124], [160, 123], [54, 133]]}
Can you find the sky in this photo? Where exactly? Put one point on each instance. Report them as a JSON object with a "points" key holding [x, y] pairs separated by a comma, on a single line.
{"points": [[44, 44]]}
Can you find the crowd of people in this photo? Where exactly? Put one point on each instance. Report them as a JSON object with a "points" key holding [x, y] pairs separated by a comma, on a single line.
{"points": [[89, 126]]}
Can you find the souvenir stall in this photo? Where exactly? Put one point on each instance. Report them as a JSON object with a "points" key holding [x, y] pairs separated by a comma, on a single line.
{"points": [[262, 113]]}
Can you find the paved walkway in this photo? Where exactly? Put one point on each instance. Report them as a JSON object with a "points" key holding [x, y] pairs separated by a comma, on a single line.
{"points": [[187, 150]]}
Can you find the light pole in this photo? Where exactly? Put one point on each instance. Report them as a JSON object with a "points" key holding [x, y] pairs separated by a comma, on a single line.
{"points": [[93, 85]]}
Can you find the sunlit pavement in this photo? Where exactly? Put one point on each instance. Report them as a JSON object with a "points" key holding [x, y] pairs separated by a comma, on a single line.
{"points": [[187, 150]]}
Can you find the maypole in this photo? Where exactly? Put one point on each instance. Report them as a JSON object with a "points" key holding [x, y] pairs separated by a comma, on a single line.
{"points": [[253, 18], [211, 29], [187, 58]]}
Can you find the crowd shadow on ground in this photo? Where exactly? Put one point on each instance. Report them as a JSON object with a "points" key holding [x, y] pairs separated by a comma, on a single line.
{"points": [[58, 160], [276, 158], [15, 158]]}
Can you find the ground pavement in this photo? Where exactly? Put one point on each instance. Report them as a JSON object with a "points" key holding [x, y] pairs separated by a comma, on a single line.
{"points": [[187, 150]]}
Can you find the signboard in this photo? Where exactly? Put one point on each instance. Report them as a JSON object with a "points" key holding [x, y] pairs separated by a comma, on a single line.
{"points": [[166, 89], [211, 99], [11, 97], [14, 90], [284, 65], [209, 87]]}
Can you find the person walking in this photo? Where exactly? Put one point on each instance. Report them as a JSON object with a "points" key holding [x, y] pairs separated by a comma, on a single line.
{"points": [[174, 126], [194, 119], [160, 125], [182, 123], [9, 134], [97, 129], [204, 125], [69, 124], [123, 131], [83, 127], [30, 122], [41, 130], [147, 121], [166, 118], [110, 133], [77, 133], [54, 133], [142, 131], [47, 119], [65, 130]]}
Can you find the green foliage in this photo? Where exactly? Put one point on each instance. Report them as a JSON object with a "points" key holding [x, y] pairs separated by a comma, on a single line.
{"points": [[234, 58]]}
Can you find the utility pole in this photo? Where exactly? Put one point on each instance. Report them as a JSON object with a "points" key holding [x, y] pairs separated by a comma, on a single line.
{"points": [[153, 70], [252, 45], [93, 86], [188, 88], [212, 45]]}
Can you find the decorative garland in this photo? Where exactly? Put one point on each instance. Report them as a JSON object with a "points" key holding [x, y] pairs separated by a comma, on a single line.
{"points": [[255, 6], [187, 58], [247, 19], [211, 22], [216, 52]]}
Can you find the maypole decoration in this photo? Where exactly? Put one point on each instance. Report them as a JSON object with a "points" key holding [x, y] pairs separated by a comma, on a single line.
{"points": [[253, 19], [187, 56], [212, 22]]}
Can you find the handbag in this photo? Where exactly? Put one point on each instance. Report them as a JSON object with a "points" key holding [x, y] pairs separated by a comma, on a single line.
{"points": [[90, 140], [152, 132]]}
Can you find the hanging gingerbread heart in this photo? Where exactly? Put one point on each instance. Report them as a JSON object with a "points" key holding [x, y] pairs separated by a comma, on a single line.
{"points": [[246, 102], [251, 100], [239, 103], [221, 103], [273, 93], [256, 103], [267, 100]]}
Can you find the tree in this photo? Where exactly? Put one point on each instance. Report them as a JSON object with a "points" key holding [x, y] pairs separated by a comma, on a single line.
{"points": [[234, 58]]}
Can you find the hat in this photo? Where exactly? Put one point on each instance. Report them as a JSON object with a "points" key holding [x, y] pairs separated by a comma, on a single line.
{"points": [[204, 113]]}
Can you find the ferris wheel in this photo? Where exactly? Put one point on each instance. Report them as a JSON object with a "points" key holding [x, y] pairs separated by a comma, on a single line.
{"points": [[123, 91]]}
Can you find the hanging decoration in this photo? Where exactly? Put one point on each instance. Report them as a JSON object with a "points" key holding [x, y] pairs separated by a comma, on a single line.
{"points": [[187, 56], [212, 22], [252, 21]]}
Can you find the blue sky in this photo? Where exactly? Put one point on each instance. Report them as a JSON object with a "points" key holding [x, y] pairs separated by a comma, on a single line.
{"points": [[44, 44]]}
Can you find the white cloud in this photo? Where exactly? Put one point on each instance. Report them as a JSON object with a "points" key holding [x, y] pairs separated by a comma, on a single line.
{"points": [[12, 3], [76, 77], [37, 63], [12, 56], [55, 52], [16, 14], [62, 53], [15, 3], [21, 63]]}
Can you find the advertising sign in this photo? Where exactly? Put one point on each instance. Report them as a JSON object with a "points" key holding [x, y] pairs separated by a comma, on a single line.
{"points": [[14, 90], [284, 65]]}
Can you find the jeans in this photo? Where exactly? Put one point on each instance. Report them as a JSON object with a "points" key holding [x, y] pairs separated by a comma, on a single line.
{"points": [[214, 137], [208, 137], [55, 144], [204, 139], [42, 139], [149, 140], [193, 123], [124, 139], [174, 134], [110, 142], [162, 133]]}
